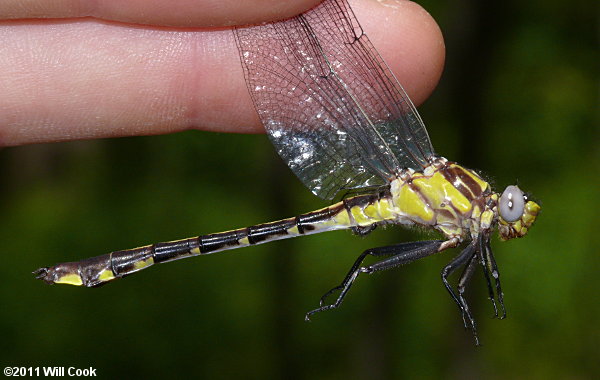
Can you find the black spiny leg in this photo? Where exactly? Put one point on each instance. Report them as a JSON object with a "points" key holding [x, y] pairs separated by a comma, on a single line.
{"points": [[495, 274], [485, 265], [400, 254], [464, 280], [463, 258]]}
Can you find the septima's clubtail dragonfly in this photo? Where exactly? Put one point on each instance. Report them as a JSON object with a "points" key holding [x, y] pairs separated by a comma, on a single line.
{"points": [[340, 120]]}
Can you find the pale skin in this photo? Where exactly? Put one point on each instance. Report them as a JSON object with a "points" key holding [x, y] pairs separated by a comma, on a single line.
{"points": [[72, 70]]}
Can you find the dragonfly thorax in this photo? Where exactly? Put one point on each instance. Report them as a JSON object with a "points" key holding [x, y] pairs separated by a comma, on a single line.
{"points": [[445, 196]]}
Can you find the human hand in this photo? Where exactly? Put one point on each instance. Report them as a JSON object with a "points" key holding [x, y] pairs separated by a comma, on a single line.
{"points": [[142, 67]]}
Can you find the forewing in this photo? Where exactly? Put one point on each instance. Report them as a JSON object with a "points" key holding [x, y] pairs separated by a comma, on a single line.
{"points": [[333, 110]]}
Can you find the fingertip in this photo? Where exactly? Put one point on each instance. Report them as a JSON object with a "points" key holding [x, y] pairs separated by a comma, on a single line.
{"points": [[408, 39]]}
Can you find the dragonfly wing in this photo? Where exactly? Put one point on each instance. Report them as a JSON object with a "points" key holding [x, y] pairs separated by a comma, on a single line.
{"points": [[332, 108]]}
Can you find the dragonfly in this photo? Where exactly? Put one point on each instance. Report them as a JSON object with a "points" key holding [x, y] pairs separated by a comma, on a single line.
{"points": [[340, 120]]}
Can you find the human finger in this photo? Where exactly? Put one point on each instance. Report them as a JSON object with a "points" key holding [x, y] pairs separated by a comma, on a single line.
{"points": [[179, 13], [88, 79]]}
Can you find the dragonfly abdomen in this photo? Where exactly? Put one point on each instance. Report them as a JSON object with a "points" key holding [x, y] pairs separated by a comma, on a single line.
{"points": [[357, 212]]}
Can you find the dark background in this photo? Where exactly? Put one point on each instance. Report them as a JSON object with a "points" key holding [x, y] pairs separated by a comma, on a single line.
{"points": [[518, 100]]}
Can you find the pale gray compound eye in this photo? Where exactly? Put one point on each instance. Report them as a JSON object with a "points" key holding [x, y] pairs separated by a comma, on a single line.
{"points": [[511, 204]]}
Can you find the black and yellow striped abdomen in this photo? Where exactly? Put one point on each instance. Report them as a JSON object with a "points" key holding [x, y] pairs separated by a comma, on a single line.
{"points": [[360, 213]]}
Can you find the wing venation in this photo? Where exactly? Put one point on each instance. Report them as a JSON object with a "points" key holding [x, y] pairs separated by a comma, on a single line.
{"points": [[331, 107]]}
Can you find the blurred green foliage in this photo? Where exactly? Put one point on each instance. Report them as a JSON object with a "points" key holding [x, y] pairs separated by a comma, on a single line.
{"points": [[518, 100]]}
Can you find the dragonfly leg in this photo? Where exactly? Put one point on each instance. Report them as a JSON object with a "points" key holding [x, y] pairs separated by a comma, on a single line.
{"points": [[463, 258], [485, 264], [364, 230], [400, 254], [493, 268], [464, 280]]}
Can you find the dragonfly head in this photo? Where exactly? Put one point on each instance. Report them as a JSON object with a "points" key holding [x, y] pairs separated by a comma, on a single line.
{"points": [[516, 213]]}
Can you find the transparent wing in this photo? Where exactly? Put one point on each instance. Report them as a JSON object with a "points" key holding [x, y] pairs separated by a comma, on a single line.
{"points": [[332, 108]]}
